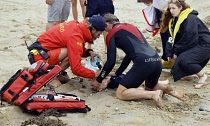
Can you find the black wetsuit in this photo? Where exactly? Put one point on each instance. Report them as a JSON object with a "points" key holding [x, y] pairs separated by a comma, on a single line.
{"points": [[115, 81], [147, 65]]}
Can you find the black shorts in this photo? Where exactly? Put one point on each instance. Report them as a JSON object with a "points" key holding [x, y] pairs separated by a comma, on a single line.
{"points": [[146, 69], [100, 10], [115, 81]]}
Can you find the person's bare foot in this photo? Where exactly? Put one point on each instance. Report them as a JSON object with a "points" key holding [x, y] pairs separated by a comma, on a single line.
{"points": [[187, 78], [141, 87], [168, 88], [201, 82], [158, 98], [202, 79], [199, 85], [175, 93], [161, 85], [63, 79], [55, 83], [164, 82]]}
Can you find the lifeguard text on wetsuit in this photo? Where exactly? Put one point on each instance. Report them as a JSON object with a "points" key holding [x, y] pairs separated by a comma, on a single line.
{"points": [[152, 59]]}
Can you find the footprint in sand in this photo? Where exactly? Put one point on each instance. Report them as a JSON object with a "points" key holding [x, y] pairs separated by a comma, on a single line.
{"points": [[13, 20]]}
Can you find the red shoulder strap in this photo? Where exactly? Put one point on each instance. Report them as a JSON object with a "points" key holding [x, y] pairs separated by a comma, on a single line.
{"points": [[125, 26]]}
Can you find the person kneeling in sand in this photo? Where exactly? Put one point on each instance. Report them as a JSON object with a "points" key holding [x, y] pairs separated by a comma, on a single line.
{"points": [[146, 63], [188, 42], [64, 45]]}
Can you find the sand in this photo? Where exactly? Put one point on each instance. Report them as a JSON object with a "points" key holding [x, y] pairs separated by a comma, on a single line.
{"points": [[24, 20]]}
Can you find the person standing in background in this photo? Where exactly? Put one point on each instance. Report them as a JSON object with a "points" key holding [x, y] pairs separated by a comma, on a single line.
{"points": [[99, 7], [58, 12], [152, 14], [74, 8]]}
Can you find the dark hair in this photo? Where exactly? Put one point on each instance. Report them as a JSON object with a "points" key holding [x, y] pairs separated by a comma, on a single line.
{"points": [[166, 16]]}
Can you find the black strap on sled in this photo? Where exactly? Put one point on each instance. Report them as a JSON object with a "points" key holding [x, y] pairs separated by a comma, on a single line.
{"points": [[34, 112], [84, 110], [15, 96], [38, 72], [24, 77], [50, 97], [41, 72], [8, 84], [11, 80]]}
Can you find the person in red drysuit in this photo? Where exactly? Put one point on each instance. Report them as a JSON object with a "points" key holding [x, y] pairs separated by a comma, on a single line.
{"points": [[64, 44]]}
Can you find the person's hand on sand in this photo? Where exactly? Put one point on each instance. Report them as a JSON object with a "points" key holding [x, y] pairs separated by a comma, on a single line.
{"points": [[95, 85], [100, 86], [104, 83]]}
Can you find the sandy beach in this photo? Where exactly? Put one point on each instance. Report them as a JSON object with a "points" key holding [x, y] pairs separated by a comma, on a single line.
{"points": [[24, 20]]}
